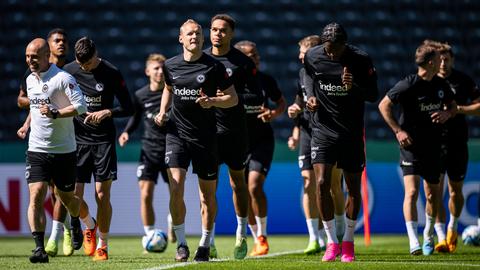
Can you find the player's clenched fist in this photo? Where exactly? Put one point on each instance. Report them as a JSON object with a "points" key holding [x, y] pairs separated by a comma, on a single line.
{"points": [[161, 119], [312, 104]]}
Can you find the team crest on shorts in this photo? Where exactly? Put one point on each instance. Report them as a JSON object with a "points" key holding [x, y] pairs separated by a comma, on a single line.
{"points": [[441, 94], [140, 170], [99, 87], [167, 159], [45, 88], [230, 72], [314, 154], [300, 164], [201, 78]]}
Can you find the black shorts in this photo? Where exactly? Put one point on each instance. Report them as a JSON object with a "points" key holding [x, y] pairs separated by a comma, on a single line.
{"points": [[179, 152], [348, 153], [304, 150], [232, 149], [422, 159], [152, 162], [97, 159], [58, 168], [456, 160], [261, 155]]}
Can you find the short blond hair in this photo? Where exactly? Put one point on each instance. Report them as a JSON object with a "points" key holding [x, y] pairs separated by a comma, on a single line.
{"points": [[155, 57], [190, 21], [310, 41]]}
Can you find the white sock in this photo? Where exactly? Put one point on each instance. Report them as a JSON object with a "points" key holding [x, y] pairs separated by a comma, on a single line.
{"points": [[180, 234], [428, 231], [89, 222], [57, 227], [340, 224], [330, 231], [148, 229], [102, 240], [66, 223], [349, 230], [439, 229], [241, 227], [212, 236], [312, 226], [412, 227], [321, 237], [453, 223], [253, 231], [205, 239], [262, 229]]}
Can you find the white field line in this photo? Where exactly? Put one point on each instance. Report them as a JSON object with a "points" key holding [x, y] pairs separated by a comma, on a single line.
{"points": [[178, 265]]}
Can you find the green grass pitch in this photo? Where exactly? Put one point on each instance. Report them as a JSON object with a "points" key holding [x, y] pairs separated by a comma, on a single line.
{"points": [[386, 252]]}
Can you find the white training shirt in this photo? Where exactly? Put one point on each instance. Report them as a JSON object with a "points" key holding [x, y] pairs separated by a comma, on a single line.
{"points": [[57, 89]]}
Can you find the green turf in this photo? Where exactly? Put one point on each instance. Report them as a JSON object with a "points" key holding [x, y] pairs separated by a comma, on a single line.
{"points": [[386, 252]]}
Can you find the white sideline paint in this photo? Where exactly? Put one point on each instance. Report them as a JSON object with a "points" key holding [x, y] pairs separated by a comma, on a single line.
{"points": [[183, 264], [227, 259]]}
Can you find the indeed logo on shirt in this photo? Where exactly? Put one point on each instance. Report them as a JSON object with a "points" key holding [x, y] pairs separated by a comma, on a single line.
{"points": [[186, 94], [93, 101], [334, 90], [37, 101], [429, 107]]}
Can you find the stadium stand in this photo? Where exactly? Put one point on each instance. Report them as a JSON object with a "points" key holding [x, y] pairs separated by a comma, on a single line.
{"points": [[126, 31]]}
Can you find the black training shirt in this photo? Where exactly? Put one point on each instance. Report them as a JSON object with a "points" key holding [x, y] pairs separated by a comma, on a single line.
{"points": [[100, 87], [341, 111], [190, 80]]}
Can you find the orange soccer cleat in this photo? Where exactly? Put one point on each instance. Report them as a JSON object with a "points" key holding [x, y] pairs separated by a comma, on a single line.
{"points": [[101, 254], [90, 241]]}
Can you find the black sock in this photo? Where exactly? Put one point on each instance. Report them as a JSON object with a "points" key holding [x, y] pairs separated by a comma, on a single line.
{"points": [[39, 239], [75, 221]]}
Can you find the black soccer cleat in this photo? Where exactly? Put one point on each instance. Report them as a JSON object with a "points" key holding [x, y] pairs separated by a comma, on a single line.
{"points": [[39, 256], [182, 253], [202, 254], [77, 233]]}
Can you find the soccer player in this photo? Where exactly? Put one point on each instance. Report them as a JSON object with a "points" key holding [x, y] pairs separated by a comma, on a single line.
{"points": [[191, 82], [58, 44], [231, 122], [54, 98], [101, 83], [465, 92], [146, 102], [261, 144], [422, 98], [339, 79], [301, 136]]}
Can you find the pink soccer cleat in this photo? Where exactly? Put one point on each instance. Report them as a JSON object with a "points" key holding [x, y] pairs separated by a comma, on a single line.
{"points": [[348, 252], [333, 250]]}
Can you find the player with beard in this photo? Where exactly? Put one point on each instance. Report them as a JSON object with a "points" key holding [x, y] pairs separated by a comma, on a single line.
{"points": [[231, 123], [339, 79], [261, 145], [191, 83]]}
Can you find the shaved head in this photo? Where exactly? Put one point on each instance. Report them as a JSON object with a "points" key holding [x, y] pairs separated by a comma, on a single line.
{"points": [[39, 44], [37, 55]]}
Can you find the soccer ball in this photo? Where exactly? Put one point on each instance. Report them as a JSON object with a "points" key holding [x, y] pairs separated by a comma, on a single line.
{"points": [[471, 235], [155, 241]]}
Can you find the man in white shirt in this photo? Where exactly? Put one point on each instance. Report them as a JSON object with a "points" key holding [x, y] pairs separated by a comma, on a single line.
{"points": [[54, 99]]}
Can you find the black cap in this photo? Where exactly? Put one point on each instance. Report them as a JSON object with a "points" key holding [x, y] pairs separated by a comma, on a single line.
{"points": [[334, 33]]}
